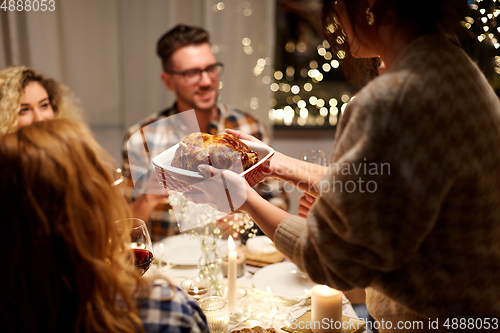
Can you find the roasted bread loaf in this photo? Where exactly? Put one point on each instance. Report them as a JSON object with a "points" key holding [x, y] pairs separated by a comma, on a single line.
{"points": [[223, 151]]}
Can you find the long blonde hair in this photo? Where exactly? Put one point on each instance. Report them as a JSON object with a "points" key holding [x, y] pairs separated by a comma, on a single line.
{"points": [[14, 79], [65, 266]]}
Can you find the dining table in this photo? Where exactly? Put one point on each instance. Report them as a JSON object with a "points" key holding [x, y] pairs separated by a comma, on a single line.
{"points": [[267, 304]]}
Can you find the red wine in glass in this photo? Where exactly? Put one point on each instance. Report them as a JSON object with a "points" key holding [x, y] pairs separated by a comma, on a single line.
{"points": [[140, 242], [143, 259]]}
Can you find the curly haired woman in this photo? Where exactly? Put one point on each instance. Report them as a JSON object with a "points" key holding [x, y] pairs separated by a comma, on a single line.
{"points": [[27, 96], [67, 267]]}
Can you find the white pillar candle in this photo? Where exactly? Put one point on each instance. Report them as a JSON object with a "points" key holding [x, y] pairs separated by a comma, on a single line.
{"points": [[231, 274], [326, 311], [240, 262]]}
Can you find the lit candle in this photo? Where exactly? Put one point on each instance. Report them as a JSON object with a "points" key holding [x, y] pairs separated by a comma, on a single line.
{"points": [[195, 288], [326, 311], [196, 292], [231, 274], [240, 262]]}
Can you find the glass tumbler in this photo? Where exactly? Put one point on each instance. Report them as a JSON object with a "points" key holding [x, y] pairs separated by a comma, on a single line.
{"points": [[215, 309]]}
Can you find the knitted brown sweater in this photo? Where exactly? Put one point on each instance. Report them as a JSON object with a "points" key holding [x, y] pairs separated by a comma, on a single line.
{"points": [[419, 222]]}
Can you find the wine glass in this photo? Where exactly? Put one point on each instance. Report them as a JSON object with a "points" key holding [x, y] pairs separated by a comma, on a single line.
{"points": [[315, 156], [141, 244], [118, 179]]}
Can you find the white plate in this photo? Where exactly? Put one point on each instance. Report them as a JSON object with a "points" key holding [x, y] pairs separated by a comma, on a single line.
{"points": [[184, 250], [284, 279], [164, 160]]}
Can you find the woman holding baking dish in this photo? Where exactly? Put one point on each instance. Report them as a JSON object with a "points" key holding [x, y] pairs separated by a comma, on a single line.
{"points": [[410, 206]]}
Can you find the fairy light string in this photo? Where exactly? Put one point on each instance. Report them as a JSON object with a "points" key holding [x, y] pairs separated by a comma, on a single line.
{"points": [[296, 102]]}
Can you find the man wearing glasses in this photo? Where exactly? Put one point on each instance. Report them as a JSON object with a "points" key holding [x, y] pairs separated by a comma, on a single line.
{"points": [[191, 71]]}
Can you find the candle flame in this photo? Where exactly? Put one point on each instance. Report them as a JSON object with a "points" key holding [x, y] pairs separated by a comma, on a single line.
{"points": [[230, 243], [325, 290], [196, 290]]}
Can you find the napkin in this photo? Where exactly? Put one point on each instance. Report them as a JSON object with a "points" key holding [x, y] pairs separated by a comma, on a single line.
{"points": [[300, 308], [352, 325]]}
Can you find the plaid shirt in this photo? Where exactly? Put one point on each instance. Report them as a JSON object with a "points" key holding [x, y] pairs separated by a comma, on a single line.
{"points": [[140, 147], [181, 314]]}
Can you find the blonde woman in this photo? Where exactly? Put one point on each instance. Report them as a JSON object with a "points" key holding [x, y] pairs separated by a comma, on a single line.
{"points": [[66, 268], [27, 96]]}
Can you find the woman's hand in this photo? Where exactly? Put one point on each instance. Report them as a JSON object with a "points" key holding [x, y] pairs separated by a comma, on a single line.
{"points": [[243, 136], [227, 192], [223, 189], [278, 161], [305, 202]]}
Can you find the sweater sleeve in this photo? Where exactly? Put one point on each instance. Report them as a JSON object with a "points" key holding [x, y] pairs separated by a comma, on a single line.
{"points": [[378, 201]]}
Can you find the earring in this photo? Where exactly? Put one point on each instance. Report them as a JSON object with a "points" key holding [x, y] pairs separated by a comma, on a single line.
{"points": [[370, 18]]}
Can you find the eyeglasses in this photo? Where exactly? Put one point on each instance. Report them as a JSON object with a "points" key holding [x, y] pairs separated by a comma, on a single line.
{"points": [[192, 76]]}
